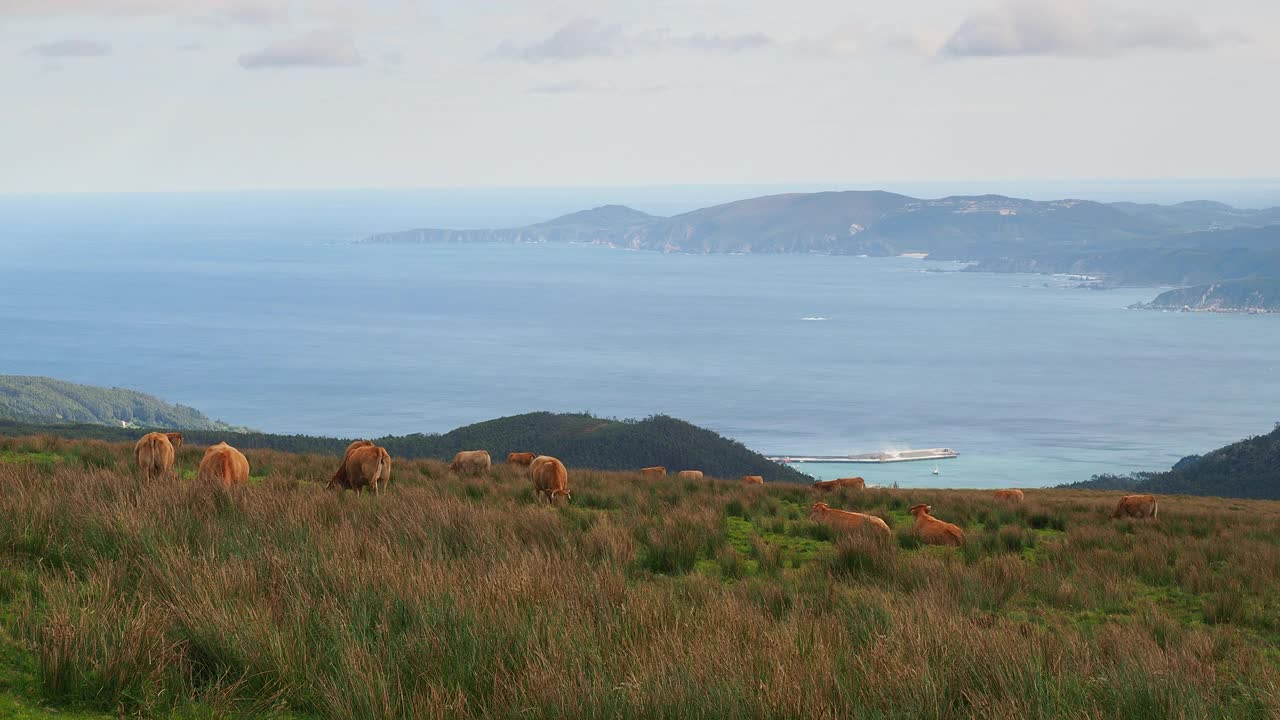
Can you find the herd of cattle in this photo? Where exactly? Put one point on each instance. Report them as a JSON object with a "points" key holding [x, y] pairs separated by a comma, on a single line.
{"points": [[366, 465]]}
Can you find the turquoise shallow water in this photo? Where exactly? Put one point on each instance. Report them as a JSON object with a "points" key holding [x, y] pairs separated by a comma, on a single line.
{"points": [[262, 312]]}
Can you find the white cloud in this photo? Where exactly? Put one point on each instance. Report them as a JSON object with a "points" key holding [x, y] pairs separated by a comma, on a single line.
{"points": [[1073, 27], [231, 11], [569, 87], [587, 37], [72, 48], [321, 49]]}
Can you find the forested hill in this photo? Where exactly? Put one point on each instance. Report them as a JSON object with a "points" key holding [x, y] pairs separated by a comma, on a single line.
{"points": [[42, 399], [579, 440], [586, 441], [1246, 469]]}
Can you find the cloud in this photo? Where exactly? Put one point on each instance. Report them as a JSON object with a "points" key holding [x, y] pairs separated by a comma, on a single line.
{"points": [[72, 48], [321, 49], [587, 38], [249, 12], [227, 13], [859, 38], [1073, 27], [572, 87]]}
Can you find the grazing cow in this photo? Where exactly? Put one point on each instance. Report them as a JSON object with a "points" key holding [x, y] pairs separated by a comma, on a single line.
{"points": [[224, 465], [525, 459], [550, 478], [656, 471], [471, 462], [1015, 495], [364, 466], [934, 531], [1137, 506], [154, 453], [175, 439], [752, 480], [845, 520], [340, 477], [690, 474], [829, 485], [355, 444]]}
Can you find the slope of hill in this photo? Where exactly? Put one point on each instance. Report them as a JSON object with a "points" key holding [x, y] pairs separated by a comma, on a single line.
{"points": [[875, 223], [1190, 243], [1185, 259], [42, 399], [825, 222], [1199, 214], [1253, 295], [599, 225], [586, 441], [465, 597], [579, 440], [1246, 469]]}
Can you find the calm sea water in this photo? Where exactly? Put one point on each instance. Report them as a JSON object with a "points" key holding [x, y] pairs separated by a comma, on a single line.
{"points": [[258, 310]]}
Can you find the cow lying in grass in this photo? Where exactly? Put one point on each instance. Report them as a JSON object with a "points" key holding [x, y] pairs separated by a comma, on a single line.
{"points": [[846, 520], [934, 531]]}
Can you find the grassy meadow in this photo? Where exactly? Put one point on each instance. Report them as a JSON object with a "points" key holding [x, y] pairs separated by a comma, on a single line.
{"points": [[462, 597]]}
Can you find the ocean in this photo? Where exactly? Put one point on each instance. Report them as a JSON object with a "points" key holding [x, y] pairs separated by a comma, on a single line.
{"points": [[258, 309]]}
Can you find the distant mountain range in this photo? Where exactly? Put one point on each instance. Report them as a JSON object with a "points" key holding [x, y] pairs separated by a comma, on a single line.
{"points": [[30, 398], [1190, 243]]}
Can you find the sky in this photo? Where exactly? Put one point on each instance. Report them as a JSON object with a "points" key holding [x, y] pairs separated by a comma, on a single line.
{"points": [[180, 95]]}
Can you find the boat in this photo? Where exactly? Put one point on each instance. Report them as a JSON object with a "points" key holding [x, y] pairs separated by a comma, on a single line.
{"points": [[935, 469], [880, 457]]}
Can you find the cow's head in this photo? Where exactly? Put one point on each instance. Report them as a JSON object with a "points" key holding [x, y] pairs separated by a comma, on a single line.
{"points": [[920, 509], [559, 496], [818, 507], [175, 439]]}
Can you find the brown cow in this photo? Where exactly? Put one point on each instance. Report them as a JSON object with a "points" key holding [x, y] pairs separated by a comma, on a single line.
{"points": [[934, 531], [656, 471], [1137, 506], [752, 480], [154, 453], [1015, 495], [224, 465], [845, 520], [550, 478], [471, 462], [520, 458], [340, 476], [829, 485], [364, 466], [690, 474], [175, 439]]}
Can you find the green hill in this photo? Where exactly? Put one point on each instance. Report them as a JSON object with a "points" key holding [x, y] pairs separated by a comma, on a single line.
{"points": [[41, 399], [580, 440], [1246, 469]]}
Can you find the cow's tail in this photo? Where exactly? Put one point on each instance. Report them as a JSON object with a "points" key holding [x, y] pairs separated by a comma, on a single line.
{"points": [[143, 454], [384, 466], [150, 458], [228, 469]]}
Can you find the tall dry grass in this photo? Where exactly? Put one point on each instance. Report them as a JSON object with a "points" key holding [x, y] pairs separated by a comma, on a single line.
{"points": [[463, 597]]}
